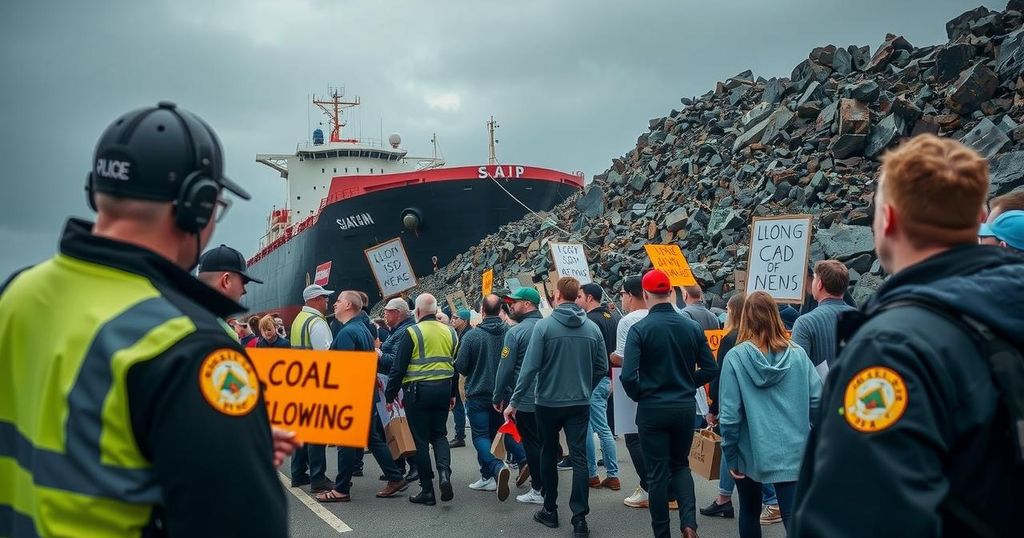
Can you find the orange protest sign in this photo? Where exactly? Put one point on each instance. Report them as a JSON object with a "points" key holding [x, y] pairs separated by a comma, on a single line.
{"points": [[669, 258], [488, 283], [715, 340], [325, 397]]}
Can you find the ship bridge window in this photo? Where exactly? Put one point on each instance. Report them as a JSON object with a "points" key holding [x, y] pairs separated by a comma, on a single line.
{"points": [[322, 171], [335, 170], [346, 169], [371, 170]]}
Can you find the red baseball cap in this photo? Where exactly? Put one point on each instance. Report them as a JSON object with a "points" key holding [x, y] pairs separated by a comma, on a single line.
{"points": [[656, 281]]}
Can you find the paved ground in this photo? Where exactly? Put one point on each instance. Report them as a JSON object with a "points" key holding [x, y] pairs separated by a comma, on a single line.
{"points": [[473, 513]]}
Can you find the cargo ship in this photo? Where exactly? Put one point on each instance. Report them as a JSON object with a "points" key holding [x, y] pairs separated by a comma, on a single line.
{"points": [[346, 195]]}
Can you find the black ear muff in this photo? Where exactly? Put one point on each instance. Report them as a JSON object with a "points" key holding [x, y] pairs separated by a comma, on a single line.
{"points": [[90, 191], [196, 202]]}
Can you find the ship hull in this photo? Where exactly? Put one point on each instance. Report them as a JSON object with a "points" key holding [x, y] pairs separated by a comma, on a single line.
{"points": [[454, 216]]}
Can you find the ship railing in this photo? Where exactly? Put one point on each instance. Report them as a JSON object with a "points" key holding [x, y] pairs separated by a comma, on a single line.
{"points": [[288, 234], [368, 142]]}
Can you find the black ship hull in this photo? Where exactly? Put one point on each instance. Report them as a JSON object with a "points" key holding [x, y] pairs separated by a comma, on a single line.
{"points": [[454, 216]]}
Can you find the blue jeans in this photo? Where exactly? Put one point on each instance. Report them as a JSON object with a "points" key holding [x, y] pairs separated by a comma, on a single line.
{"points": [[459, 416], [726, 483], [311, 459], [599, 425], [484, 422]]}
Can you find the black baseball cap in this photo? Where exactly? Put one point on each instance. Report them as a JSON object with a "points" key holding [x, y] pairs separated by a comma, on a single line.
{"points": [[225, 258], [592, 290], [147, 153]]}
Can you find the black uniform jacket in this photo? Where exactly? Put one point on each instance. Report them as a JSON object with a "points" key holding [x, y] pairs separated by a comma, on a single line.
{"points": [[909, 426]]}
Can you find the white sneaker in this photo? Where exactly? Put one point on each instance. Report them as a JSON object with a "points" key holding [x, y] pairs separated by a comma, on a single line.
{"points": [[531, 497], [637, 500], [484, 485]]}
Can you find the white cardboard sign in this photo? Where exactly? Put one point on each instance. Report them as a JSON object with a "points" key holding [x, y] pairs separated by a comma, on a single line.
{"points": [[391, 267], [625, 408], [777, 263], [571, 260]]}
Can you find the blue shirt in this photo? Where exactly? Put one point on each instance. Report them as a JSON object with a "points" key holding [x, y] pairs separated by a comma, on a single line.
{"points": [[353, 336]]}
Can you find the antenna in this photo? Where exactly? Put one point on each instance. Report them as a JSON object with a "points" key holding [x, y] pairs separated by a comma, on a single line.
{"points": [[492, 157], [333, 108]]}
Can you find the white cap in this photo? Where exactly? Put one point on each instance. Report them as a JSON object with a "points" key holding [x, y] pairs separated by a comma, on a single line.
{"points": [[313, 291], [397, 304]]}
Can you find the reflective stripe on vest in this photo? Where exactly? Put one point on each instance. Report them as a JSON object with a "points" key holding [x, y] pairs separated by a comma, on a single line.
{"points": [[69, 461], [433, 352], [301, 326]]}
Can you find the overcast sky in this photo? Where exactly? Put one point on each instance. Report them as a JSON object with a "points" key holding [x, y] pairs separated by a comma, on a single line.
{"points": [[572, 84]]}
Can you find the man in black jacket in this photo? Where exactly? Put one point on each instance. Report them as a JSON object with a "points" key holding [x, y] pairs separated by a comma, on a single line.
{"points": [[660, 372], [590, 301], [911, 425]]}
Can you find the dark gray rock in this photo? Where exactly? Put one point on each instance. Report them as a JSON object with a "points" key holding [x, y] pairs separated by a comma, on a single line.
{"points": [[722, 219], [756, 114], [975, 85], [823, 55], [1011, 56], [848, 145], [842, 62], [778, 122], [861, 56], [1006, 171], [861, 264], [882, 135], [676, 220], [773, 90], [827, 118], [987, 139], [808, 70], [751, 135], [885, 53], [843, 241], [866, 287], [737, 94], [638, 181], [814, 92], [952, 60], [866, 91], [591, 204], [962, 23]]}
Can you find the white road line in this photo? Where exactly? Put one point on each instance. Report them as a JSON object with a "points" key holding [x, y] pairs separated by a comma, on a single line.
{"points": [[330, 519]]}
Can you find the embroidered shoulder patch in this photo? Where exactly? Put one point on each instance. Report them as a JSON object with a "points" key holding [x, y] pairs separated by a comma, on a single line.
{"points": [[607, 315], [875, 399], [229, 383], [504, 352]]}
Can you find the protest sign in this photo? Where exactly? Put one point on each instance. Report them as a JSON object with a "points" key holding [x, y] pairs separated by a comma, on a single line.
{"points": [[625, 407], [457, 301], [391, 267], [777, 263], [512, 284], [487, 283], [571, 260], [739, 280], [325, 397], [669, 258], [715, 337]]}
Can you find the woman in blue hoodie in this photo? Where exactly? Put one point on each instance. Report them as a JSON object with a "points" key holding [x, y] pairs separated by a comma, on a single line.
{"points": [[768, 392]]}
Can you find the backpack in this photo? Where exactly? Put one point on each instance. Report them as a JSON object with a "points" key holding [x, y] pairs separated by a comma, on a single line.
{"points": [[1006, 366]]}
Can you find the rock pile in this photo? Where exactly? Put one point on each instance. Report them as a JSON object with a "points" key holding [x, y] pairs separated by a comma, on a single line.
{"points": [[808, 143]]}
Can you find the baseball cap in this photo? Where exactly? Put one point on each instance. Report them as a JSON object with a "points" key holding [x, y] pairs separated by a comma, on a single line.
{"points": [[147, 153], [398, 304], [524, 294], [225, 258], [986, 230], [1009, 228], [633, 286], [592, 290], [313, 291], [656, 281], [465, 314]]}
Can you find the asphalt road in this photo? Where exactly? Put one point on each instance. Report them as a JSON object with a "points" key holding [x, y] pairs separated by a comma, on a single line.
{"points": [[473, 513]]}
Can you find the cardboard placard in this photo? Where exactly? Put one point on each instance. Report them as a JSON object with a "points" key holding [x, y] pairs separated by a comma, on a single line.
{"points": [[669, 258], [487, 283], [545, 306], [777, 262], [706, 454], [571, 260], [739, 280], [325, 397], [457, 301], [715, 337], [391, 267], [624, 408]]}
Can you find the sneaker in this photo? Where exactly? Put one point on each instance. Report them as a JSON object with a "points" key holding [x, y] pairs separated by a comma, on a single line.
{"points": [[503, 477], [719, 510], [637, 500], [565, 464], [531, 497], [771, 514], [457, 443], [548, 519], [484, 485]]}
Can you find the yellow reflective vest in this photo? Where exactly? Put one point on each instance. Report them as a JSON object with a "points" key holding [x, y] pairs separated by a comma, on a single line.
{"points": [[301, 327], [433, 352]]}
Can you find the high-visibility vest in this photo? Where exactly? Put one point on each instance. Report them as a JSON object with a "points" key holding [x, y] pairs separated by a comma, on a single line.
{"points": [[433, 352], [302, 326], [69, 461]]}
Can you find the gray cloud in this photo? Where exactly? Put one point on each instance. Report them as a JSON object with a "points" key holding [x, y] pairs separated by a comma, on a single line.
{"points": [[572, 83]]}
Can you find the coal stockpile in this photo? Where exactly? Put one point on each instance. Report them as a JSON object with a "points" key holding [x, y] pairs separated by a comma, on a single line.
{"points": [[808, 143]]}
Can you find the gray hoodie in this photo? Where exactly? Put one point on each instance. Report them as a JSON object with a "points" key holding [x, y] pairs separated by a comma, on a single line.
{"points": [[517, 340], [566, 357], [478, 356]]}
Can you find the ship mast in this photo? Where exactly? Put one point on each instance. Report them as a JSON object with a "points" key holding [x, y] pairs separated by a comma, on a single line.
{"points": [[332, 107], [492, 158]]}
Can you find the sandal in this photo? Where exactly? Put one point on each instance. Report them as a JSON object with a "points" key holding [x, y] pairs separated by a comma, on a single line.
{"points": [[332, 496]]}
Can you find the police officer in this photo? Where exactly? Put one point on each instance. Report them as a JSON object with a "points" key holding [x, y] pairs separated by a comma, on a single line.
{"points": [[126, 420], [224, 269], [915, 437], [424, 368]]}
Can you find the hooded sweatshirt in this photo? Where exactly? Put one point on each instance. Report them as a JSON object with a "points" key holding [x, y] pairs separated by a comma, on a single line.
{"points": [[765, 411], [478, 356], [566, 358], [517, 340]]}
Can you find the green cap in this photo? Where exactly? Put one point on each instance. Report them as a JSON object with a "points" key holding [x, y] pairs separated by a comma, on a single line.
{"points": [[524, 294]]}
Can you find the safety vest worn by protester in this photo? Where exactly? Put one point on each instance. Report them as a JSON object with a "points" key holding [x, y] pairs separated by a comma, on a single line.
{"points": [[301, 328], [84, 476], [433, 352]]}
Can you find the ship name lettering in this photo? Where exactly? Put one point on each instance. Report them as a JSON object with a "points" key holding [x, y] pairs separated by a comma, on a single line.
{"points": [[355, 221], [501, 172]]}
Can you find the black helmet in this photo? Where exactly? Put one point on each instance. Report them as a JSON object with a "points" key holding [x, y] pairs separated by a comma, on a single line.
{"points": [[149, 153]]}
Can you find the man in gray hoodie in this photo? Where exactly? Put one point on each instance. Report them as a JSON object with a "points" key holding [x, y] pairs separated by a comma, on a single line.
{"points": [[566, 359]]}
